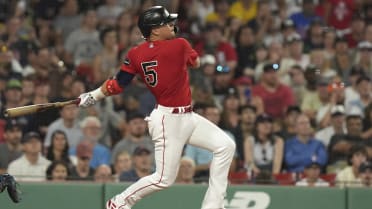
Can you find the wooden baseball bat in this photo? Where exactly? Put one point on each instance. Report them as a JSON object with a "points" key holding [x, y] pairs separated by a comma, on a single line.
{"points": [[32, 109]]}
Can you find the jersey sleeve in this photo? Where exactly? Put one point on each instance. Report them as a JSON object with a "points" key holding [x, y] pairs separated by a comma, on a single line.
{"points": [[128, 64], [190, 53]]}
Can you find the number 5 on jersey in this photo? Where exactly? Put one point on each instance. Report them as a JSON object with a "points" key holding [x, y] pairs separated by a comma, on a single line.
{"points": [[150, 73]]}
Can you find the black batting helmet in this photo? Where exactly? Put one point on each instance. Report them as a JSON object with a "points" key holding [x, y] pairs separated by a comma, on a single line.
{"points": [[155, 16]]}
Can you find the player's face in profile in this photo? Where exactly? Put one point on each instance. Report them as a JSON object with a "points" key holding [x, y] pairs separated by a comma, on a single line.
{"points": [[167, 30]]}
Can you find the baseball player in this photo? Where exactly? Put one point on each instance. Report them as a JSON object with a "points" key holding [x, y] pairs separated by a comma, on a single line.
{"points": [[162, 63], [7, 181]]}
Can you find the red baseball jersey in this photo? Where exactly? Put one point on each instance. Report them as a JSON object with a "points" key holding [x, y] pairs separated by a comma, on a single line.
{"points": [[163, 67]]}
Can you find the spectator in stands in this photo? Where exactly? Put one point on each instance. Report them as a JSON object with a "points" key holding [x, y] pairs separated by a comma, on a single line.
{"points": [[365, 173], [342, 60], [356, 30], [31, 166], [367, 122], [103, 174], [321, 63], [245, 45], [351, 91], [58, 149], [83, 43], [339, 146], [122, 163], [28, 89], [66, 123], [288, 129], [329, 42], [12, 148], [245, 10], [314, 36], [337, 125], [364, 87], [108, 12], [186, 171], [142, 165], [12, 95], [304, 18], [349, 176], [214, 43], [105, 64], [91, 129], [58, 171], [220, 14], [263, 150], [312, 173], [262, 23], [68, 19], [275, 95], [248, 114], [363, 62], [336, 7], [301, 149], [298, 83], [136, 136], [82, 170]]}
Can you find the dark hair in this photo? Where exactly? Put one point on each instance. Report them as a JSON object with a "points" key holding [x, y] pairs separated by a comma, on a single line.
{"points": [[53, 165], [50, 154], [239, 32], [355, 149], [362, 78], [104, 32], [244, 107]]}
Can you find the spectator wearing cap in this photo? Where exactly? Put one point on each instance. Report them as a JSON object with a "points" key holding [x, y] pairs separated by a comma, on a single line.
{"points": [[312, 176], [68, 123], [300, 150], [337, 125], [214, 43], [275, 95], [363, 60], [12, 95], [321, 63], [82, 170], [349, 176], [136, 136], [287, 28], [363, 87], [91, 128], [304, 18], [295, 46], [31, 166], [288, 130], [263, 150], [340, 144], [12, 148], [365, 173], [142, 165]]}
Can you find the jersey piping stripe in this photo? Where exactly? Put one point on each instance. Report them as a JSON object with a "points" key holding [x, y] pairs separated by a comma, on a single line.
{"points": [[162, 170]]}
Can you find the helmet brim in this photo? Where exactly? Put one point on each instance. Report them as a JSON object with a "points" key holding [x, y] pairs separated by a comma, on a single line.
{"points": [[172, 17]]}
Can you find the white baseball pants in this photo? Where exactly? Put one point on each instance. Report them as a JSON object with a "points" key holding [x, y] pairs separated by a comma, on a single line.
{"points": [[170, 132]]}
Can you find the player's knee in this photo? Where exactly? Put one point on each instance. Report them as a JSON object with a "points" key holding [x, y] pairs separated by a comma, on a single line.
{"points": [[230, 147], [165, 182]]}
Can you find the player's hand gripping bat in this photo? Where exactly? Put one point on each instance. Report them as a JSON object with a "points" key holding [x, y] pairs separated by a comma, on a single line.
{"points": [[32, 109]]}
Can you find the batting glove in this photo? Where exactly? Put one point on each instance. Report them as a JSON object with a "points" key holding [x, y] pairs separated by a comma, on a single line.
{"points": [[86, 100]]}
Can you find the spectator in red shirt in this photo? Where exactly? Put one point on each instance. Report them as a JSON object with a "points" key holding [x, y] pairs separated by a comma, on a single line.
{"points": [[339, 13], [276, 96], [215, 44]]}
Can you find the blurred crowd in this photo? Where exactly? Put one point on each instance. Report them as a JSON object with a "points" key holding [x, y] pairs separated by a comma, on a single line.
{"points": [[288, 80]]}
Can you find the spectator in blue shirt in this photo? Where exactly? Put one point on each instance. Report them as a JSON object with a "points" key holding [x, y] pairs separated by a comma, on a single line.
{"points": [[303, 19], [303, 148]]}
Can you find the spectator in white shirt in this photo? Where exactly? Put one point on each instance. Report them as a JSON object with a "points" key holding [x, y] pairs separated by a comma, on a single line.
{"points": [[31, 166], [337, 125], [312, 176]]}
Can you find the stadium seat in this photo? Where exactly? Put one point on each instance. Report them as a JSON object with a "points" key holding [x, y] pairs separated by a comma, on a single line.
{"points": [[238, 177], [285, 178]]}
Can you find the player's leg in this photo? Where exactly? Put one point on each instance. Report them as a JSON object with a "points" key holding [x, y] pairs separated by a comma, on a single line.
{"points": [[208, 136], [169, 134]]}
